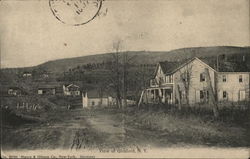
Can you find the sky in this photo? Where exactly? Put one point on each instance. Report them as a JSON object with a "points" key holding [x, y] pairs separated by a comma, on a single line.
{"points": [[30, 34]]}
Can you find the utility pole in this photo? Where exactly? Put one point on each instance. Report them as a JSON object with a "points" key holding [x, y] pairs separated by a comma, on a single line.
{"points": [[217, 62], [124, 79]]}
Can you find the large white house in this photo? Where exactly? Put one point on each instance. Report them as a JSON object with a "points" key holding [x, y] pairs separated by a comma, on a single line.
{"points": [[195, 81]]}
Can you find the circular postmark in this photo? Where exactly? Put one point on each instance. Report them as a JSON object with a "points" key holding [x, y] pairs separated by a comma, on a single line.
{"points": [[75, 12]]}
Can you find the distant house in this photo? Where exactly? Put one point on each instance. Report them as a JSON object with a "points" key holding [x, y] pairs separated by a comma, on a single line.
{"points": [[16, 91], [71, 90], [27, 74], [195, 81], [93, 98], [44, 75], [46, 90]]}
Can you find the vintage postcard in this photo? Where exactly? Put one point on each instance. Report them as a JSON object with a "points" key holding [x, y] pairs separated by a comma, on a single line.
{"points": [[125, 78]]}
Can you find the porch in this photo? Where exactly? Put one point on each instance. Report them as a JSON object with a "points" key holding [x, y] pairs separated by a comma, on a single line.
{"points": [[158, 95]]}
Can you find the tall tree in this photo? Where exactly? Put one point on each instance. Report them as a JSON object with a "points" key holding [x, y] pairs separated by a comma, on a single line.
{"points": [[186, 76], [119, 74], [116, 73]]}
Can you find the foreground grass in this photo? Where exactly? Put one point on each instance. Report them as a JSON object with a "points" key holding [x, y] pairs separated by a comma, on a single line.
{"points": [[174, 129]]}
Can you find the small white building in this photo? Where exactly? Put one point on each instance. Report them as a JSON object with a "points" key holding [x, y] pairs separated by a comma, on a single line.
{"points": [[46, 90], [16, 91], [27, 74], [93, 99], [71, 90]]}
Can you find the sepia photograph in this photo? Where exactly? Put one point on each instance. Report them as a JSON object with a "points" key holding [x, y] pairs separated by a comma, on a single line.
{"points": [[125, 78]]}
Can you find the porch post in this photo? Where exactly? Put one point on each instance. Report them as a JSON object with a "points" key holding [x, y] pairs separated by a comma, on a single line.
{"points": [[164, 96], [154, 95], [171, 98], [173, 91], [149, 96]]}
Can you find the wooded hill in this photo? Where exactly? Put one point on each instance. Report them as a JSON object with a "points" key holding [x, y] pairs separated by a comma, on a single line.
{"points": [[97, 71], [142, 57]]}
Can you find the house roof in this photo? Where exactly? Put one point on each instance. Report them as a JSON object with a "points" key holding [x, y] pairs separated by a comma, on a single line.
{"points": [[27, 72], [96, 94], [47, 87], [15, 87], [227, 66], [170, 66], [71, 85], [224, 66]]}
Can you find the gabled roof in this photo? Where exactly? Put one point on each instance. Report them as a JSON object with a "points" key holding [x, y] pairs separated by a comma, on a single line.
{"points": [[71, 85], [27, 72], [18, 88], [96, 94], [169, 67], [224, 66], [227, 66], [47, 87], [15, 87]]}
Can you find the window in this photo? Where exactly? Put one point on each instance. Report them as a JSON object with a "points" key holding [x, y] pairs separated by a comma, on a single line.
{"points": [[183, 76], [201, 94], [93, 103], [207, 95], [202, 77], [171, 79], [224, 95], [224, 78], [161, 80], [240, 79]]}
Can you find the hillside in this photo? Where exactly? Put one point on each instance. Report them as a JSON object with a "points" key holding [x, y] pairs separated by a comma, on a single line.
{"points": [[145, 57]]}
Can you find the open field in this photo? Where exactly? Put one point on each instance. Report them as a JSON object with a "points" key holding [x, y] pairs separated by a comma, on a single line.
{"points": [[135, 130]]}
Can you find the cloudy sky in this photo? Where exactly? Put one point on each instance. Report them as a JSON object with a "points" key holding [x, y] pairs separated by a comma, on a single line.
{"points": [[30, 34]]}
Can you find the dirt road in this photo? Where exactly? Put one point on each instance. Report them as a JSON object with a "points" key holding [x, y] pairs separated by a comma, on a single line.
{"points": [[77, 129], [105, 129]]}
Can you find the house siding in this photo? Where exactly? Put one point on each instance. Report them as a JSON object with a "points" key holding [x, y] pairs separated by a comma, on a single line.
{"points": [[71, 90], [232, 86], [160, 76], [196, 68], [91, 102]]}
